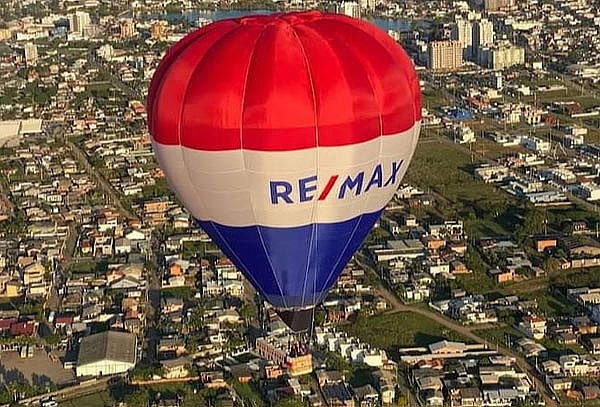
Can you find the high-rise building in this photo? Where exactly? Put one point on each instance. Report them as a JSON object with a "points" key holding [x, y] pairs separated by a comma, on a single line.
{"points": [[158, 30], [5, 34], [79, 22], [106, 52], [462, 31], [31, 53], [483, 35], [202, 21], [498, 5], [367, 4], [498, 81], [445, 55], [127, 28], [349, 8], [502, 56]]}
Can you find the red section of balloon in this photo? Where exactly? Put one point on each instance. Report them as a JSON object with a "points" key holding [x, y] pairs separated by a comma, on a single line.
{"points": [[283, 82]]}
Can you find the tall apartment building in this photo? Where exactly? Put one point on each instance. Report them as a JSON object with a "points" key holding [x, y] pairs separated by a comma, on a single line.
{"points": [[79, 22], [158, 30], [127, 28], [349, 8], [483, 35], [445, 55], [498, 5], [31, 53], [462, 31], [502, 56]]}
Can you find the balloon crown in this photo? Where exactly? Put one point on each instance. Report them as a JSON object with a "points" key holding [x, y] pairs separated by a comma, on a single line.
{"points": [[292, 18]]}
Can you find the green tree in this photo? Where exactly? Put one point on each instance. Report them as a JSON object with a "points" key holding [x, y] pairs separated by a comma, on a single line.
{"points": [[193, 400], [289, 402], [473, 260], [139, 398], [248, 312], [319, 317], [403, 401], [53, 339], [535, 221], [145, 371], [196, 320], [551, 265], [336, 362]]}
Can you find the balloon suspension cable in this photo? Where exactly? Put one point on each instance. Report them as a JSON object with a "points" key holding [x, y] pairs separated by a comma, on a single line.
{"points": [[311, 334]]}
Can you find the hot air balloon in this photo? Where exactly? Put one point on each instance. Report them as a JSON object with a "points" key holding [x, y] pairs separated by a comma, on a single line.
{"points": [[285, 136]]}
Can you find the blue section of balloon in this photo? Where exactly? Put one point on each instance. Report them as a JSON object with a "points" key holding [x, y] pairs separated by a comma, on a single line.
{"points": [[292, 267]]}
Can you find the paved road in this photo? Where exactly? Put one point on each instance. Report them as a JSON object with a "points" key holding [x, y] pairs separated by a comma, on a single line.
{"points": [[116, 81], [73, 392], [153, 300], [107, 188]]}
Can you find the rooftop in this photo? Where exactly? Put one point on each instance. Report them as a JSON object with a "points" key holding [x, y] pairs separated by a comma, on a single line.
{"points": [[109, 345]]}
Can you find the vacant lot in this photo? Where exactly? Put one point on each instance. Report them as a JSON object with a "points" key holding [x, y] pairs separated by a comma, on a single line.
{"points": [[100, 399], [390, 331], [446, 169]]}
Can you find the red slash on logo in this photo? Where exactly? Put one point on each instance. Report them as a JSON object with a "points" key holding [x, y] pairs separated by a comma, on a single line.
{"points": [[328, 187]]}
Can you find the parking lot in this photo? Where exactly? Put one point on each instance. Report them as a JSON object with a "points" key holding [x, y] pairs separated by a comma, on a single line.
{"points": [[38, 370]]}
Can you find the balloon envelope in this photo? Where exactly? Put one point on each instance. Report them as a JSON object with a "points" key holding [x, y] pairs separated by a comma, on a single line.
{"points": [[285, 136]]}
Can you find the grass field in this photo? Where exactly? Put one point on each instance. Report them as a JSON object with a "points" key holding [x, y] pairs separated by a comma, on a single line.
{"points": [[100, 399], [503, 334], [477, 283], [447, 170], [249, 393], [390, 331], [500, 335], [549, 305]]}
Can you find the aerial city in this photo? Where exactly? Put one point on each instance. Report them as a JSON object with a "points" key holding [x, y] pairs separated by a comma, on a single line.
{"points": [[253, 203]]}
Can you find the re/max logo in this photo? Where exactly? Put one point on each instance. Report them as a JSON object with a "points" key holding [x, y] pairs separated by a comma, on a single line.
{"points": [[306, 189]]}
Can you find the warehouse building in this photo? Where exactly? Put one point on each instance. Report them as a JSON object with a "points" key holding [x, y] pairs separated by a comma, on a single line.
{"points": [[106, 353]]}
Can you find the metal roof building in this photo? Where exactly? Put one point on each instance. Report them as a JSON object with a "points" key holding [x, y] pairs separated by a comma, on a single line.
{"points": [[11, 131], [106, 353]]}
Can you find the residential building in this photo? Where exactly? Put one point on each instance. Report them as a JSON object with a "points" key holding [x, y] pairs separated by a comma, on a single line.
{"points": [[127, 28], [498, 5], [536, 144], [462, 31], [502, 56], [79, 22], [30, 52], [445, 55], [533, 326], [349, 8], [588, 191], [158, 30], [33, 274], [483, 35], [492, 173], [285, 352]]}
